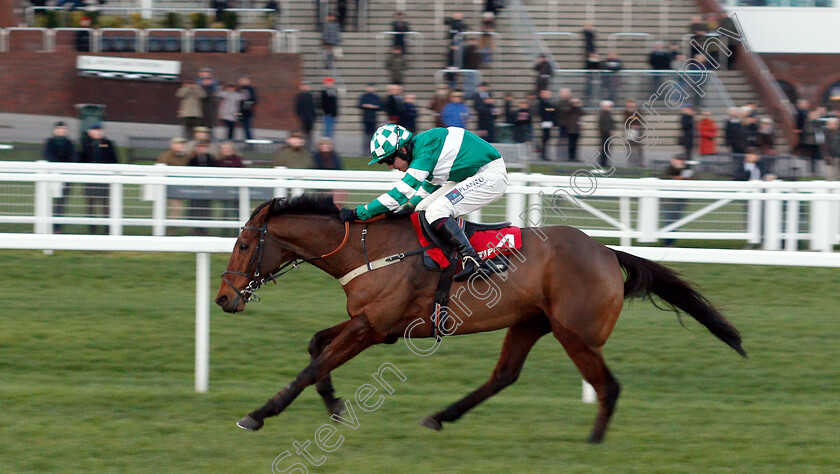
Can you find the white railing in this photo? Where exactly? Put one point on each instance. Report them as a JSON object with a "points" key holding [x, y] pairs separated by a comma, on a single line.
{"points": [[776, 214]]}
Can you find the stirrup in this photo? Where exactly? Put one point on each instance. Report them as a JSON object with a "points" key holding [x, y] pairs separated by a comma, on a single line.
{"points": [[472, 265]]}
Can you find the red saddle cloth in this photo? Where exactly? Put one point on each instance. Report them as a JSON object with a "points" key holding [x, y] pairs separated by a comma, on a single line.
{"points": [[488, 243]]}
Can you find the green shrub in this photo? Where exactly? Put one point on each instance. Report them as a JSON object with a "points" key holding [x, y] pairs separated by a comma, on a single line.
{"points": [[230, 20], [171, 20], [198, 20], [110, 21]]}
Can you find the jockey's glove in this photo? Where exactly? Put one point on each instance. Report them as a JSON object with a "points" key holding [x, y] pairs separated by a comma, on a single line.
{"points": [[348, 215]]}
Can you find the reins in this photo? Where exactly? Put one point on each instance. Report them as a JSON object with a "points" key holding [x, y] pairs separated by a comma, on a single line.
{"points": [[249, 293]]}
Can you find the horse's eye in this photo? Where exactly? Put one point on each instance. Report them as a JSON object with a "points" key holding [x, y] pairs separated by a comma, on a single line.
{"points": [[243, 246]]}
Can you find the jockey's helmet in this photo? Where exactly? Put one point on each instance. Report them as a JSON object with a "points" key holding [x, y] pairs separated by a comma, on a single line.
{"points": [[387, 140]]}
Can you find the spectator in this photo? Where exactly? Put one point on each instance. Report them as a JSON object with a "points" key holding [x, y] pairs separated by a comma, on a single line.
{"points": [[208, 103], [765, 136], [613, 66], [294, 155], [588, 40], [341, 10], [480, 95], [547, 111], [229, 107], [229, 157], [201, 208], [728, 24], [472, 62], [813, 138], [175, 156], [456, 27], [493, 6], [697, 25], [96, 148], [189, 107], [410, 114], [802, 108], [659, 60], [370, 104], [273, 17], [673, 208], [82, 37], [606, 124], [708, 131], [633, 133], [331, 39], [487, 113], [573, 121], [455, 113], [201, 134], [220, 6], [394, 103], [752, 167], [564, 107], [522, 123], [687, 130], [487, 42], [60, 149], [732, 129], [325, 157], [544, 72], [247, 105], [329, 106], [440, 99], [305, 111], [396, 64], [831, 147], [400, 26], [593, 78]]}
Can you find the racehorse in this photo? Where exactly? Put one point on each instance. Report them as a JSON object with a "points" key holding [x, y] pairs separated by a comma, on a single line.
{"points": [[565, 283]]}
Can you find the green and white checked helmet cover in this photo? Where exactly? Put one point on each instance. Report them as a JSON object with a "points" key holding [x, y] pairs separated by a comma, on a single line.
{"points": [[387, 140]]}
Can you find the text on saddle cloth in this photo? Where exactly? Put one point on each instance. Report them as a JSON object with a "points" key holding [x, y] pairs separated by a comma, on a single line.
{"points": [[488, 243]]}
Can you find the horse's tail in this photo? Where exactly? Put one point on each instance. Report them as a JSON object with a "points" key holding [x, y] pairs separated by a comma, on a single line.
{"points": [[646, 278]]}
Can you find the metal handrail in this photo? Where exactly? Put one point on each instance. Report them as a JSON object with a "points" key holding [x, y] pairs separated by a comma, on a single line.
{"points": [[627, 16], [275, 42], [5, 34], [524, 28], [53, 32], [183, 33], [98, 33], [291, 40], [611, 38]]}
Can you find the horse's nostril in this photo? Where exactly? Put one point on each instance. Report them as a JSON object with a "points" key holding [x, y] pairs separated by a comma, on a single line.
{"points": [[221, 300]]}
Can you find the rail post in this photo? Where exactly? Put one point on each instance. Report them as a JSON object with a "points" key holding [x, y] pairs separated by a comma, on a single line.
{"points": [[202, 321]]}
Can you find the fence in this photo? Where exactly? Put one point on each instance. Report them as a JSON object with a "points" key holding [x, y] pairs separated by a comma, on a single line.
{"points": [[136, 199]]}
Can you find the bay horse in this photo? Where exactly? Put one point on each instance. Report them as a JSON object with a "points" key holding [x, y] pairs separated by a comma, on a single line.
{"points": [[569, 285]]}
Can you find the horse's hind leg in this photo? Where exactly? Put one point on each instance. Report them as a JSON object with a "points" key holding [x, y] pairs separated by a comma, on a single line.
{"points": [[319, 341], [591, 364], [519, 340]]}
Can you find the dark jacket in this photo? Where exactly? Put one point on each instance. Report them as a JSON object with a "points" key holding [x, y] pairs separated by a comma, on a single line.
{"points": [[606, 124], [408, 119], [472, 57], [588, 41], [731, 133], [546, 110], [522, 125], [394, 106], [375, 105], [98, 151], [305, 109], [327, 161], [203, 159], [486, 120], [660, 60], [573, 118], [329, 101], [246, 106], [687, 127], [59, 149]]}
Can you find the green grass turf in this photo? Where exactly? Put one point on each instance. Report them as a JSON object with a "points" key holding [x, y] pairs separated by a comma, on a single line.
{"points": [[96, 374]]}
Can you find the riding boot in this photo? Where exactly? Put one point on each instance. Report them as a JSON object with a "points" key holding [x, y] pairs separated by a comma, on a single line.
{"points": [[448, 228]]}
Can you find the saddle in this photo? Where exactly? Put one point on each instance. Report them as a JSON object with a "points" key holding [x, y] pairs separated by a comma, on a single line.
{"points": [[491, 241]]}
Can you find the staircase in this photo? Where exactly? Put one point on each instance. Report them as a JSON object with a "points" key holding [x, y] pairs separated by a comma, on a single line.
{"points": [[511, 71]]}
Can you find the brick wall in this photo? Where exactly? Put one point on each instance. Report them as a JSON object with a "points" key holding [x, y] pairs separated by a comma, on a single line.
{"points": [[7, 13], [47, 84], [811, 74]]}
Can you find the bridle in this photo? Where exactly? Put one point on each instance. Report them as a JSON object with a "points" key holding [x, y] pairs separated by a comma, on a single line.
{"points": [[248, 293]]}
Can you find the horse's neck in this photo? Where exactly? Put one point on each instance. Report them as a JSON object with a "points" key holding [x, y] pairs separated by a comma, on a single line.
{"points": [[317, 235]]}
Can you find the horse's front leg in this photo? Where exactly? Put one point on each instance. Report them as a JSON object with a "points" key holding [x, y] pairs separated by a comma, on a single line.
{"points": [[355, 337], [319, 341]]}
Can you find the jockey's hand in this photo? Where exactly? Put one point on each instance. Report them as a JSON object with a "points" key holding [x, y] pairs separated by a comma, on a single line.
{"points": [[348, 215], [403, 211]]}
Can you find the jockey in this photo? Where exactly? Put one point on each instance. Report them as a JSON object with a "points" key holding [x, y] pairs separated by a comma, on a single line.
{"points": [[449, 172]]}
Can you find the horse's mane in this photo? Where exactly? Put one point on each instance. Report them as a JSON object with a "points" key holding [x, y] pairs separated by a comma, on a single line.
{"points": [[315, 204]]}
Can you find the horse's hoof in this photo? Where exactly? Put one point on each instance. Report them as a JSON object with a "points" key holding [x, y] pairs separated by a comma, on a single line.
{"points": [[337, 407], [431, 423], [250, 424]]}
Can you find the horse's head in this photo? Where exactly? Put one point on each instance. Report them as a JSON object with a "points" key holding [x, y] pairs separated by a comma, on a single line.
{"points": [[256, 256]]}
